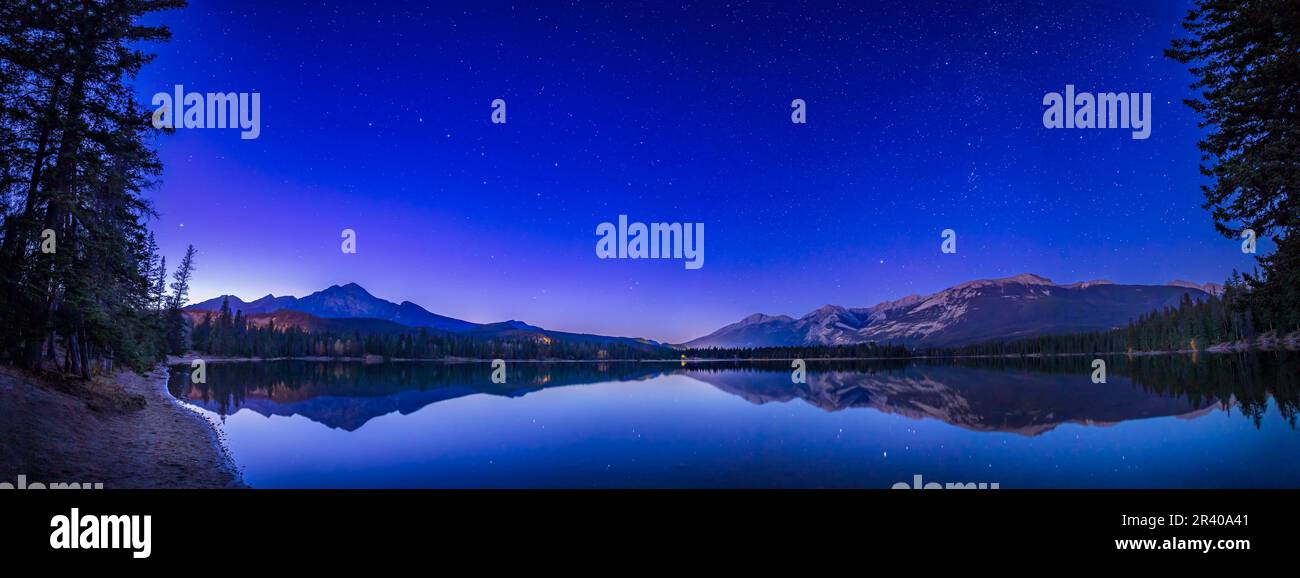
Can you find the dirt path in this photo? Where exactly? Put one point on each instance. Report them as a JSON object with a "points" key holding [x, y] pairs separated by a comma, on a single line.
{"points": [[124, 431]]}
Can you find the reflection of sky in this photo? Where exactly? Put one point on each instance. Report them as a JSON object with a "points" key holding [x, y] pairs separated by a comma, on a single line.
{"points": [[923, 116], [676, 431]]}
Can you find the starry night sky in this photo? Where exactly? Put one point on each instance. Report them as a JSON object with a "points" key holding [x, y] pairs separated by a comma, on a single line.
{"points": [[922, 116]]}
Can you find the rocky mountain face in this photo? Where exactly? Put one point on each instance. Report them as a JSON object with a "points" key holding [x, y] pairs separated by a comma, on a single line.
{"points": [[991, 309]]}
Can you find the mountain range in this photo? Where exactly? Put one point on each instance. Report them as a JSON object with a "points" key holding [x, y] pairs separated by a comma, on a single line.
{"points": [[1025, 305], [347, 308], [341, 301]]}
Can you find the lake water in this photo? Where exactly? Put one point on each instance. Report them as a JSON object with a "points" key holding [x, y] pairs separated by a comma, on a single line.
{"points": [[1201, 421]]}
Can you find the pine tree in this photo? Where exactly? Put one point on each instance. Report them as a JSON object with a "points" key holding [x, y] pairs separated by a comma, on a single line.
{"points": [[1246, 60], [75, 163], [181, 279], [175, 323], [158, 281]]}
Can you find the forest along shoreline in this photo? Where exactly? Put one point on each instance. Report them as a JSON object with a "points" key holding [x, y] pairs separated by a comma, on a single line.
{"points": [[123, 430], [1269, 342]]}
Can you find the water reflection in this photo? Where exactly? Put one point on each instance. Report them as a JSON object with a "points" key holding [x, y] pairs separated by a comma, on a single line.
{"points": [[1022, 396], [345, 395]]}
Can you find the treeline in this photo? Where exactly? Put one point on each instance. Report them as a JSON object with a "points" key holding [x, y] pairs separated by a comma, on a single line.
{"points": [[854, 351], [81, 285], [1194, 324], [227, 334]]}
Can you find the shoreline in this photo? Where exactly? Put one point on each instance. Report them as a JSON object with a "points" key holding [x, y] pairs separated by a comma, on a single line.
{"points": [[1263, 344], [173, 360], [216, 438], [123, 430]]}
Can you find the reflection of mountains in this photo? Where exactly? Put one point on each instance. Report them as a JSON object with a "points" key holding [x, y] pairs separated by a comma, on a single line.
{"points": [[1021, 402], [1033, 395], [1022, 396], [351, 412], [347, 395]]}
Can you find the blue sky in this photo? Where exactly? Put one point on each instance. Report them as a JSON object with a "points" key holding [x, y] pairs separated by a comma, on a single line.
{"points": [[922, 116]]}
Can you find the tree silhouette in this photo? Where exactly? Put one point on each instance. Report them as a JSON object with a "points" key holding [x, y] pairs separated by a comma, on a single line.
{"points": [[1246, 60]]}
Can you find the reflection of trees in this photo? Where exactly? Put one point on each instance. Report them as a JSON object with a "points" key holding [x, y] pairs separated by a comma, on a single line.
{"points": [[1244, 380], [1249, 380], [229, 385]]}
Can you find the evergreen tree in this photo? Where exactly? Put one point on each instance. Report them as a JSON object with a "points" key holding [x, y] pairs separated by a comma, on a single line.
{"points": [[1245, 57], [73, 164], [175, 322], [181, 279]]}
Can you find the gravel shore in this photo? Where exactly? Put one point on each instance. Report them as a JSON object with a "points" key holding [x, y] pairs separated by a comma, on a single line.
{"points": [[124, 431]]}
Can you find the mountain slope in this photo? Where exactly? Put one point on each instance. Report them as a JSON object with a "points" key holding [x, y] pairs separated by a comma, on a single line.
{"points": [[346, 301], [757, 330], [521, 330], [1022, 306], [286, 318], [348, 308]]}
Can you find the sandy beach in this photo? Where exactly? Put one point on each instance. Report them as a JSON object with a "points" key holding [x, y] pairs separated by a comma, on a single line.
{"points": [[124, 431]]}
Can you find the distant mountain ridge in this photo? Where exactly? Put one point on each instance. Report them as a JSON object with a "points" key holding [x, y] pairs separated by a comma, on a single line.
{"points": [[341, 301], [1025, 305], [1211, 288], [350, 307]]}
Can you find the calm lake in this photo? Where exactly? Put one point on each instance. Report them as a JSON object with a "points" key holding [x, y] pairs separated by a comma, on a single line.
{"points": [[1176, 421]]}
